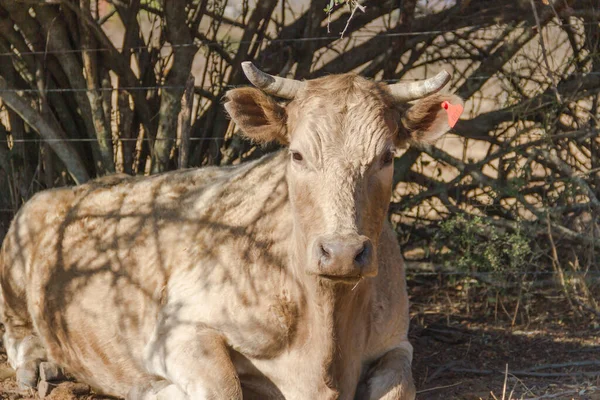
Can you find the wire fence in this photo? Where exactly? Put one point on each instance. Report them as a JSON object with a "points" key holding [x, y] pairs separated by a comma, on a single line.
{"points": [[206, 87], [221, 87], [291, 40], [145, 139], [266, 39], [202, 139]]}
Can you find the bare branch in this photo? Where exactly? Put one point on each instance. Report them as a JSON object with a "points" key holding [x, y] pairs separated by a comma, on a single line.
{"points": [[47, 130]]}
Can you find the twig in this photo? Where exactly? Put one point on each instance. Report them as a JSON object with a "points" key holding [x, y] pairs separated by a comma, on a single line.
{"points": [[4, 159], [566, 170], [48, 130], [544, 55], [440, 370], [586, 349], [553, 396], [557, 267], [514, 319], [360, 279], [505, 380], [184, 122], [510, 395], [356, 6], [589, 374], [106, 17], [517, 381], [91, 75], [439, 387], [587, 307], [564, 365], [216, 46]]}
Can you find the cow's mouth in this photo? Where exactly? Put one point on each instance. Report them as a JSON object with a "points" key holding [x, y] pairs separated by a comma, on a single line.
{"points": [[349, 280]]}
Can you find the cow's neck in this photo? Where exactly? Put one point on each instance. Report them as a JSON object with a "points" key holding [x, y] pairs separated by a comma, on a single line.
{"points": [[338, 321], [345, 318]]}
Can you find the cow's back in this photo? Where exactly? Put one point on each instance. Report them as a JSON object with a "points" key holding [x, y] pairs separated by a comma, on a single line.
{"points": [[92, 263]]}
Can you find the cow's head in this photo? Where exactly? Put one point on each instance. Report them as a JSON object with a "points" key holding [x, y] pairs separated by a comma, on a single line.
{"points": [[342, 132]]}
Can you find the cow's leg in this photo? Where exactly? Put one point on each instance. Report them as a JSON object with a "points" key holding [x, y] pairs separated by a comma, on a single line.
{"points": [[24, 355], [389, 377], [157, 390], [195, 359], [23, 348]]}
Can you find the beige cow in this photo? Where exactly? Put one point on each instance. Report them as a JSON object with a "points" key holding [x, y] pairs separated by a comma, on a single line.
{"points": [[278, 278]]}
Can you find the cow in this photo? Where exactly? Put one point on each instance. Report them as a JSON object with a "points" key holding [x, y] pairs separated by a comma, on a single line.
{"points": [[278, 278]]}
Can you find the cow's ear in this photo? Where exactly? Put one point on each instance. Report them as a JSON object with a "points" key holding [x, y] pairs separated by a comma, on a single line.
{"points": [[259, 117], [431, 117]]}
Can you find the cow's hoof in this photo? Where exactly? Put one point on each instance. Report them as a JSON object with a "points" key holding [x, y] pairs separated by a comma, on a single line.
{"points": [[44, 388], [27, 374], [48, 371]]}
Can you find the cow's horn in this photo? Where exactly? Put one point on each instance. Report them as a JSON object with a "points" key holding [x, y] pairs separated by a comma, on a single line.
{"points": [[275, 85], [404, 91]]}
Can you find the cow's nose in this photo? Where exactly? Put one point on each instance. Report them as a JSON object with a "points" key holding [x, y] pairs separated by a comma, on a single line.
{"points": [[344, 256]]}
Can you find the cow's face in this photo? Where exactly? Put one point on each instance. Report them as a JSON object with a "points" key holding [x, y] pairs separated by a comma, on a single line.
{"points": [[342, 138], [342, 132]]}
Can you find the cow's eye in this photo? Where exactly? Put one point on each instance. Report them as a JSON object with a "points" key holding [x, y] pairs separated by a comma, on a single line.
{"points": [[387, 158], [296, 156]]}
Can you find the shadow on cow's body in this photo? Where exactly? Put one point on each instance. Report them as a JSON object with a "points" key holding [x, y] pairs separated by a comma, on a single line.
{"points": [[218, 282]]}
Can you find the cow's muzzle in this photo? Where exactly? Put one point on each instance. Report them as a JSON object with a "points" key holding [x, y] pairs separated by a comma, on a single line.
{"points": [[346, 258]]}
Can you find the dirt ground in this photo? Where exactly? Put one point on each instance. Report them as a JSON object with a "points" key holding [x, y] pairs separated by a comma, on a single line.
{"points": [[474, 343], [496, 345]]}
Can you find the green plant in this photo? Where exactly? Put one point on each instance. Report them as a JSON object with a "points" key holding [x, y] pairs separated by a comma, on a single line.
{"points": [[472, 244]]}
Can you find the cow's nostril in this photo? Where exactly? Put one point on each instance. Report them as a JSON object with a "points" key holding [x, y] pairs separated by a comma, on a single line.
{"points": [[325, 253], [362, 257]]}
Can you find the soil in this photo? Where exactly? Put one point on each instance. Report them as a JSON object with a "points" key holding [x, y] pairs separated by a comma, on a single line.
{"points": [[481, 343], [472, 342]]}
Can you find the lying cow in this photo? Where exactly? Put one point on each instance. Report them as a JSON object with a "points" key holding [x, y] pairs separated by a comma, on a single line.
{"points": [[278, 278]]}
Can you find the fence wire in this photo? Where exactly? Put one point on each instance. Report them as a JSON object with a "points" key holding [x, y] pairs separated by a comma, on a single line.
{"points": [[293, 40], [145, 139], [162, 87], [192, 139]]}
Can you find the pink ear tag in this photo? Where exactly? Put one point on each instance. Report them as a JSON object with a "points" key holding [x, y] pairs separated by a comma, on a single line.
{"points": [[454, 111]]}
